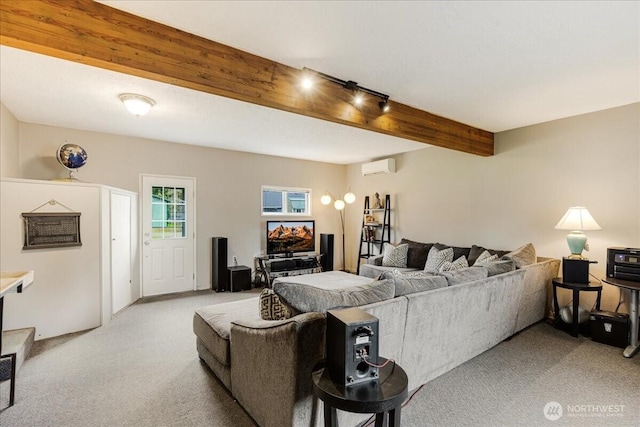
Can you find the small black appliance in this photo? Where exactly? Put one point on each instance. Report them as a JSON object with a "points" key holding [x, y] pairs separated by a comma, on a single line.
{"points": [[575, 270], [609, 328]]}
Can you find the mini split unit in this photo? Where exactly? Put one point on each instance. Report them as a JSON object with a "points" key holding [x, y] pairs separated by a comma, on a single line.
{"points": [[380, 166]]}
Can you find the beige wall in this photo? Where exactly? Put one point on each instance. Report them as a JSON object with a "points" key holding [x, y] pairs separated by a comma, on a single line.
{"points": [[9, 144], [228, 182], [519, 194]]}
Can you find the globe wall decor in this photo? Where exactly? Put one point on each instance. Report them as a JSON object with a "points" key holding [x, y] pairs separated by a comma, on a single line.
{"points": [[72, 157]]}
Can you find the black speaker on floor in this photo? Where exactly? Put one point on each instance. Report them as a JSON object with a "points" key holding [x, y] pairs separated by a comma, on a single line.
{"points": [[326, 252], [219, 273], [352, 346]]}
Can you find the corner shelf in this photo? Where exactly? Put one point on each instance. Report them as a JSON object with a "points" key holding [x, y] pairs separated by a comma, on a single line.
{"points": [[381, 231]]}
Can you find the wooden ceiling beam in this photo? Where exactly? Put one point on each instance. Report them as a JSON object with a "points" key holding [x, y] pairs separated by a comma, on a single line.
{"points": [[98, 35]]}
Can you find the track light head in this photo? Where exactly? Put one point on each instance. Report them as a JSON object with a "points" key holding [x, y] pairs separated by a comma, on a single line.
{"points": [[384, 105], [358, 99]]}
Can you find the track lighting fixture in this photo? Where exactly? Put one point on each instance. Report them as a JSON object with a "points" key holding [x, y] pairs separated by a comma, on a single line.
{"points": [[384, 105], [359, 91]]}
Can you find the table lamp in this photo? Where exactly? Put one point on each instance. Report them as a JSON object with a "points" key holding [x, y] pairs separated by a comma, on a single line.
{"points": [[577, 219]]}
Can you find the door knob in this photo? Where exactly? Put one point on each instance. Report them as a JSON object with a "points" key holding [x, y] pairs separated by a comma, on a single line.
{"points": [[146, 242]]}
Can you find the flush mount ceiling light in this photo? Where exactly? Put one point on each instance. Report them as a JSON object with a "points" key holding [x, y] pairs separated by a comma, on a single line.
{"points": [[138, 105], [358, 91]]}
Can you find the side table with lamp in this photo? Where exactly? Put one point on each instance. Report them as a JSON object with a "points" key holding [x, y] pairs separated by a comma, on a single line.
{"points": [[575, 269]]}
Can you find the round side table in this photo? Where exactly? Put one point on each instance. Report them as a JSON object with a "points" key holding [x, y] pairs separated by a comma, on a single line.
{"points": [[383, 397], [576, 288]]}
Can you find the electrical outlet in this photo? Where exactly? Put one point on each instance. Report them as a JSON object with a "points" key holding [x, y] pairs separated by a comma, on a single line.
{"points": [[235, 260]]}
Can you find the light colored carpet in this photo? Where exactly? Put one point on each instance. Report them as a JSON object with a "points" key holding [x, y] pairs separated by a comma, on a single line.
{"points": [[142, 369]]}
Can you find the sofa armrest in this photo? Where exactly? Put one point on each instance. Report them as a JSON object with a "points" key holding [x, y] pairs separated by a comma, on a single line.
{"points": [[375, 260], [271, 366], [535, 302]]}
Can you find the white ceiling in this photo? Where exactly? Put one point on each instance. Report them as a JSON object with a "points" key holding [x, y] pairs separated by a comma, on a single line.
{"points": [[492, 65]]}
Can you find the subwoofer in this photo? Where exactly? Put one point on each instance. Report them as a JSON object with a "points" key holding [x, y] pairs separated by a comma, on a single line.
{"points": [[326, 252], [219, 273], [352, 346]]}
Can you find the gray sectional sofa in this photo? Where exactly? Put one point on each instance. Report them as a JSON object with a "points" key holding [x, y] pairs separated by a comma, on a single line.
{"points": [[267, 364]]}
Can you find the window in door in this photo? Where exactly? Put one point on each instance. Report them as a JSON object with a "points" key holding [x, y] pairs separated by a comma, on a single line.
{"points": [[168, 213]]}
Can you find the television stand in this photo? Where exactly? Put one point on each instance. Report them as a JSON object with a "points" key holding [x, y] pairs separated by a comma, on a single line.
{"points": [[270, 268]]}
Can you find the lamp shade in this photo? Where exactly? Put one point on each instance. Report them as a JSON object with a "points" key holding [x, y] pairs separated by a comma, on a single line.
{"points": [[349, 197], [577, 218], [339, 205], [325, 199]]}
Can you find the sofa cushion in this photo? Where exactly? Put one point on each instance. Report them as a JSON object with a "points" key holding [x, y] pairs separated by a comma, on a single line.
{"points": [[374, 271], [457, 250], [212, 324], [417, 281], [304, 298], [499, 267], [436, 258], [417, 253], [476, 251], [455, 265], [523, 256], [394, 256], [485, 258], [271, 308], [464, 275]]}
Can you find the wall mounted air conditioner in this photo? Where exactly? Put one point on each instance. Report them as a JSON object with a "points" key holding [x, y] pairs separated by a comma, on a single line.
{"points": [[380, 166]]}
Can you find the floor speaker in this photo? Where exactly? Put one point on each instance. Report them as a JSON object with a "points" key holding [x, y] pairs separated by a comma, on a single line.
{"points": [[219, 273], [326, 252]]}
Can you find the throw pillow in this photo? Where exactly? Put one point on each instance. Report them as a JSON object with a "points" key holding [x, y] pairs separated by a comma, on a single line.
{"points": [[455, 265], [464, 275], [436, 258], [395, 256], [523, 256], [304, 298], [271, 308], [499, 267], [485, 258], [476, 251], [417, 253], [458, 251]]}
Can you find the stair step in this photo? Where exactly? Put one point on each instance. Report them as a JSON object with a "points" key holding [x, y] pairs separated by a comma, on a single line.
{"points": [[18, 341]]}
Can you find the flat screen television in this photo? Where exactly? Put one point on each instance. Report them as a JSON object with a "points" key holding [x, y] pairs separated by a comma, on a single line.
{"points": [[286, 237]]}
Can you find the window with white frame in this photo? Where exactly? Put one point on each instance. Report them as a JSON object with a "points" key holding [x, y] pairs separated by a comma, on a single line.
{"points": [[286, 201]]}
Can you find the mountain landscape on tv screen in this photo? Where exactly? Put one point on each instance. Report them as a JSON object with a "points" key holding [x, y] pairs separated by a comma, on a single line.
{"points": [[290, 239]]}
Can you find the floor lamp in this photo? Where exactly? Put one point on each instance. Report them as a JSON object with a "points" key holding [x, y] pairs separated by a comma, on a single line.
{"points": [[339, 204]]}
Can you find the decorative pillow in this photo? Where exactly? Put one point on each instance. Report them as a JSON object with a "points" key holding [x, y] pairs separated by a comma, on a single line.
{"points": [[485, 258], [455, 265], [304, 298], [499, 267], [436, 258], [523, 256], [458, 251], [417, 253], [464, 275], [271, 308], [395, 256], [476, 251]]}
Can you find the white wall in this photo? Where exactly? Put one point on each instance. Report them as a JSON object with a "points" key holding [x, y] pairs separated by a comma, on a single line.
{"points": [[228, 182], [9, 144], [66, 294], [520, 193]]}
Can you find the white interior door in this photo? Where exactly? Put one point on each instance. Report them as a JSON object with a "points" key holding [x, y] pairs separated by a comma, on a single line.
{"points": [[168, 234], [121, 285]]}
